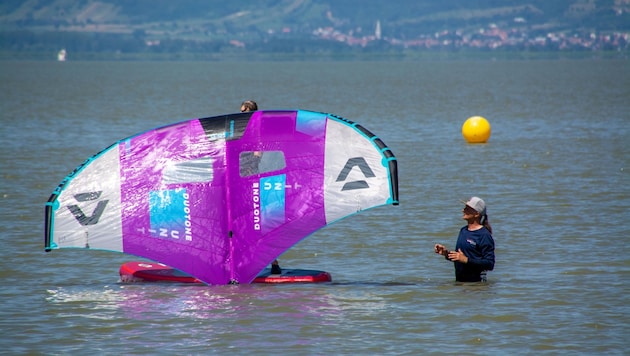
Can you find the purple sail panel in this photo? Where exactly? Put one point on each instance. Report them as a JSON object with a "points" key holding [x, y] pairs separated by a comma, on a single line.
{"points": [[173, 200], [273, 210]]}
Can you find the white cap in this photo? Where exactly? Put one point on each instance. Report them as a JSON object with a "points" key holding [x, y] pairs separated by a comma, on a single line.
{"points": [[476, 203]]}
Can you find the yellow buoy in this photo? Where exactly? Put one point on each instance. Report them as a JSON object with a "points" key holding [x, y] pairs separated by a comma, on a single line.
{"points": [[476, 130]]}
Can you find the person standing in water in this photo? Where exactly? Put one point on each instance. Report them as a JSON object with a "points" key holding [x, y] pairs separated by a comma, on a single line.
{"points": [[474, 250], [247, 106]]}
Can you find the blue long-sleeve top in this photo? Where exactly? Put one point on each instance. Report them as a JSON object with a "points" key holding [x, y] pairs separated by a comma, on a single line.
{"points": [[478, 246]]}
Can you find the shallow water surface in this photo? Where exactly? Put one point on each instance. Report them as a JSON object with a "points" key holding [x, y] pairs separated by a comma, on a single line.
{"points": [[555, 176]]}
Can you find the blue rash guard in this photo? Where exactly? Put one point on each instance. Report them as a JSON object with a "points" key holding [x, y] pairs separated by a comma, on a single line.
{"points": [[478, 246]]}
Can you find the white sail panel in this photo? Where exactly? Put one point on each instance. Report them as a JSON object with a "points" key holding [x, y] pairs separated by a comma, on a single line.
{"points": [[87, 211], [356, 177]]}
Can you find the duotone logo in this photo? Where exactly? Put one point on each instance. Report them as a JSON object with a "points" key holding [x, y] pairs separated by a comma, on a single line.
{"points": [[96, 214], [357, 184]]}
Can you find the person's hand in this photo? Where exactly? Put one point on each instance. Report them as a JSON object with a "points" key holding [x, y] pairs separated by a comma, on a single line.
{"points": [[457, 256], [440, 249]]}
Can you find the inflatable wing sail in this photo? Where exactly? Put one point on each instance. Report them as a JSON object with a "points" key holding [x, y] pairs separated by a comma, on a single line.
{"points": [[219, 198]]}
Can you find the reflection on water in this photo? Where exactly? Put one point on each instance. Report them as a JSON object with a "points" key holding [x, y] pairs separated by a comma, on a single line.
{"points": [[218, 313]]}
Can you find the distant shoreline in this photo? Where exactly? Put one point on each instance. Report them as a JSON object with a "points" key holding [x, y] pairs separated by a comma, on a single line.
{"points": [[341, 56]]}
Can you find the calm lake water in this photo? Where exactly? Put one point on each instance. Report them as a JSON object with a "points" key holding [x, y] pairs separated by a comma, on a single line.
{"points": [[555, 175]]}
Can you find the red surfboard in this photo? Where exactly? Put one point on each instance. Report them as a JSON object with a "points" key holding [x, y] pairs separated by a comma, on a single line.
{"points": [[139, 271]]}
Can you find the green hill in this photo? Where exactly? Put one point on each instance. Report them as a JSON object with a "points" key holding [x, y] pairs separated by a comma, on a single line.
{"points": [[307, 26]]}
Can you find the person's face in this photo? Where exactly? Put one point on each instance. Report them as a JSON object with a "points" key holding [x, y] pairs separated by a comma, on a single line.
{"points": [[469, 213], [243, 108]]}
